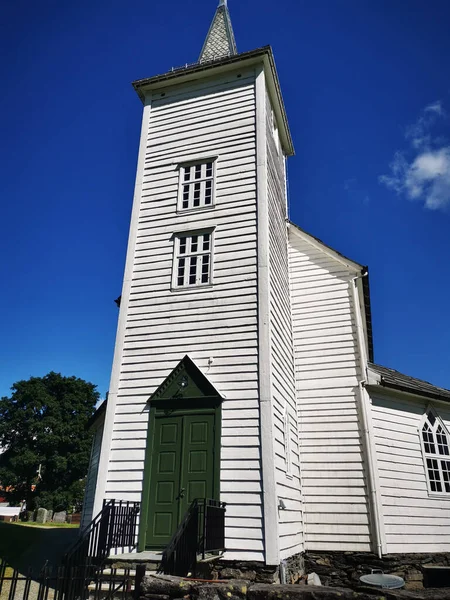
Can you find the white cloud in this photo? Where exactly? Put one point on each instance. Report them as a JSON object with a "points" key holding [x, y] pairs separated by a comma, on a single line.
{"points": [[423, 171], [435, 107]]}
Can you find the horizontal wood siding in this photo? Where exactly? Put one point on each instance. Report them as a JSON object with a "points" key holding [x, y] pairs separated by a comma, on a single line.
{"points": [[413, 521], [91, 480], [216, 326], [282, 353], [327, 372]]}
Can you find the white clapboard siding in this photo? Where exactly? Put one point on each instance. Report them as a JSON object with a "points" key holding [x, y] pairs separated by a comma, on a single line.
{"points": [[327, 371], [413, 521], [91, 480], [282, 352], [216, 118]]}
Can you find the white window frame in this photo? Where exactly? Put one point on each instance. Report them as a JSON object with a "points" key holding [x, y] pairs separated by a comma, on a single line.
{"points": [[287, 442], [179, 254], [438, 455], [202, 182]]}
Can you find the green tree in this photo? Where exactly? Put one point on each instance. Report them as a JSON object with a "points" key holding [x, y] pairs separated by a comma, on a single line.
{"points": [[45, 442]]}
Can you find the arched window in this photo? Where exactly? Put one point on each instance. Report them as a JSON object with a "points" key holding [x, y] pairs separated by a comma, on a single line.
{"points": [[435, 444]]}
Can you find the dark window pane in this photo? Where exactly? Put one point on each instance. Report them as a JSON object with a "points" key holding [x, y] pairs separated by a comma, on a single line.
{"points": [[194, 243], [197, 194], [185, 204], [208, 192], [205, 269], [206, 241], [198, 171], [445, 466], [180, 276], [428, 439], [182, 245], [193, 271], [209, 167], [187, 173], [431, 417], [435, 486], [442, 441]]}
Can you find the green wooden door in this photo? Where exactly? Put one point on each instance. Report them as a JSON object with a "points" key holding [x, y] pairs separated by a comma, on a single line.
{"points": [[182, 470]]}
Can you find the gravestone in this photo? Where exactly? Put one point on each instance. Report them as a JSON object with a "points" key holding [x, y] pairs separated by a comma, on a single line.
{"points": [[41, 516], [59, 517]]}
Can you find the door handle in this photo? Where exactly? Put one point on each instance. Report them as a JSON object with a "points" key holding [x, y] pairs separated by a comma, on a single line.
{"points": [[181, 494]]}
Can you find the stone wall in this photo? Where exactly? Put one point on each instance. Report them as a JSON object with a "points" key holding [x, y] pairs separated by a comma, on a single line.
{"points": [[164, 587], [345, 568], [255, 572]]}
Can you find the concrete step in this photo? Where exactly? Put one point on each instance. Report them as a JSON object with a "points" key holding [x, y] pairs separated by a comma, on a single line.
{"points": [[130, 560], [119, 572], [105, 586]]}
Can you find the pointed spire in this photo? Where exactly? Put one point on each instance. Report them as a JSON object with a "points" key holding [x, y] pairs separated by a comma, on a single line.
{"points": [[220, 40]]}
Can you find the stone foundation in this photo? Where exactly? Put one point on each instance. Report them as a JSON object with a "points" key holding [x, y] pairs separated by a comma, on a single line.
{"points": [[163, 587], [345, 568], [254, 572]]}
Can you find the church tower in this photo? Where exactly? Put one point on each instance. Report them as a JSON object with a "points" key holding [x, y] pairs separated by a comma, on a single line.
{"points": [[202, 394]]}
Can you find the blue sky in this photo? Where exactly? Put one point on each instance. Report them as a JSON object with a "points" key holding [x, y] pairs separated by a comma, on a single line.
{"points": [[367, 93]]}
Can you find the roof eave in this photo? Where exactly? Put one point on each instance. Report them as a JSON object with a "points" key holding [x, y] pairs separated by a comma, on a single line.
{"points": [[338, 255], [377, 379], [228, 63], [93, 420], [368, 311], [412, 391]]}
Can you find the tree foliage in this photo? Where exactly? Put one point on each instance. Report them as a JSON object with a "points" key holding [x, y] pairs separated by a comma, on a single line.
{"points": [[43, 427]]}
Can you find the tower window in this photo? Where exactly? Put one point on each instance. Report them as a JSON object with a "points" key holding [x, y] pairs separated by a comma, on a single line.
{"points": [[196, 185], [436, 451], [192, 259]]}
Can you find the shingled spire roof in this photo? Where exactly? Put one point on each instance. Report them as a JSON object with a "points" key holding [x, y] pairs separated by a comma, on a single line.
{"points": [[220, 40]]}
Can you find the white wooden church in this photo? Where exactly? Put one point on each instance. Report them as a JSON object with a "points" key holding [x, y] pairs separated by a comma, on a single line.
{"points": [[243, 366]]}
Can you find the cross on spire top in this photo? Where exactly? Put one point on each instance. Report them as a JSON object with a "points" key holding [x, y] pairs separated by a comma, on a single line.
{"points": [[220, 40]]}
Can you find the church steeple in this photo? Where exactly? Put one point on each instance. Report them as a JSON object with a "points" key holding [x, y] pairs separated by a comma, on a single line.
{"points": [[220, 40]]}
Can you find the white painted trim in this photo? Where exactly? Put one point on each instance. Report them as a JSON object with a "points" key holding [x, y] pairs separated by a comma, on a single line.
{"points": [[368, 435], [121, 326], [265, 57], [185, 160], [350, 264], [438, 457], [270, 511], [176, 256], [375, 386], [181, 167]]}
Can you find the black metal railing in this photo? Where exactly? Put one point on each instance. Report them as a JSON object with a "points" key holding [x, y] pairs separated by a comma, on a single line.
{"points": [[69, 583], [212, 532], [201, 532], [115, 527]]}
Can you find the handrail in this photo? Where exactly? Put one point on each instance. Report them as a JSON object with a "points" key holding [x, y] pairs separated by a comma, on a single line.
{"points": [[201, 531], [115, 526]]}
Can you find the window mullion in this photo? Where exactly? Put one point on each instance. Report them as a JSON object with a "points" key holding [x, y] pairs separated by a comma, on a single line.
{"points": [[441, 475]]}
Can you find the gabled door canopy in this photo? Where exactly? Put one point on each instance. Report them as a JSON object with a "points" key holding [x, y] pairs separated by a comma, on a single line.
{"points": [[185, 382]]}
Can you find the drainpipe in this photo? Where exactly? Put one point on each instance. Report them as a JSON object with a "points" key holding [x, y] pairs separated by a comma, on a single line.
{"points": [[366, 421]]}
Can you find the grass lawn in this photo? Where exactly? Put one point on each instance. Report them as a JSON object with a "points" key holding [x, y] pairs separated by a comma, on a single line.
{"points": [[59, 525], [24, 545]]}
